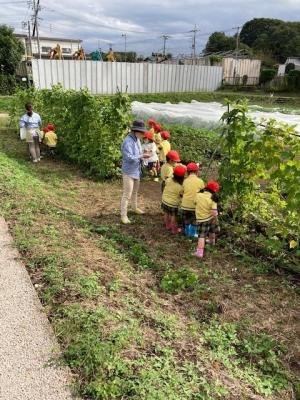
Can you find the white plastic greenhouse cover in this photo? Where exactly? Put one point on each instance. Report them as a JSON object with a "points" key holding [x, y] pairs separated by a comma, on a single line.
{"points": [[197, 114]]}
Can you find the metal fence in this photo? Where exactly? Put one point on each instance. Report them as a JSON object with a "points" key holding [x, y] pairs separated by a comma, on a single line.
{"points": [[108, 77], [241, 80]]}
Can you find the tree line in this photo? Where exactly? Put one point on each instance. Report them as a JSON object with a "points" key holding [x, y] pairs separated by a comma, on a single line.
{"points": [[271, 40]]}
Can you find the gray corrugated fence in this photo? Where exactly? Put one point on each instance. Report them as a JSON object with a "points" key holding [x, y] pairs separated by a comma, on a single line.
{"points": [[108, 77]]}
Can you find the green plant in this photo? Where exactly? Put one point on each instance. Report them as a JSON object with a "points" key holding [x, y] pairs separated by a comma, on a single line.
{"points": [[182, 279], [90, 129], [194, 144], [293, 79], [267, 75], [252, 154], [252, 357]]}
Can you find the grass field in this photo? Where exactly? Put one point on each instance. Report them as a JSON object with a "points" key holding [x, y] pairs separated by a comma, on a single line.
{"points": [[136, 315]]}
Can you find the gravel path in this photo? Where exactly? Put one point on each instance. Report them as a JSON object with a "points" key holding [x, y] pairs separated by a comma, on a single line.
{"points": [[27, 343]]}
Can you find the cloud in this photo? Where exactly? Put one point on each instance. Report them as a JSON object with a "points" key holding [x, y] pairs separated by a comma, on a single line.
{"points": [[145, 22]]}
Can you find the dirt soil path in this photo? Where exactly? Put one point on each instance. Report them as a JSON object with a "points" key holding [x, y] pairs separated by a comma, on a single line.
{"points": [[27, 344]]}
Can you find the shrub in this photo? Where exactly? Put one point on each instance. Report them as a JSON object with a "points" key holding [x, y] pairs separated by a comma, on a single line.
{"points": [[175, 281], [90, 129], [193, 144], [289, 67], [267, 75], [294, 79], [7, 84]]}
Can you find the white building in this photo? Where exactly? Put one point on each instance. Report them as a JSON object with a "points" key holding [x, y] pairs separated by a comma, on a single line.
{"points": [[68, 46], [290, 60]]}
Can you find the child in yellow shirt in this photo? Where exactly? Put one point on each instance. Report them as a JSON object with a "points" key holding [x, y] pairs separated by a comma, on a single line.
{"points": [[206, 209], [191, 186], [171, 198], [151, 125], [167, 169], [50, 138], [157, 134], [164, 147]]}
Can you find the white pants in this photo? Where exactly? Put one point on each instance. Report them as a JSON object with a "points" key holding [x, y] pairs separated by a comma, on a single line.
{"points": [[34, 148], [130, 192]]}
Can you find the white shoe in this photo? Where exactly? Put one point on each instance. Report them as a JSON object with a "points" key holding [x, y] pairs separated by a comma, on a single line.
{"points": [[35, 161], [39, 159], [125, 220]]}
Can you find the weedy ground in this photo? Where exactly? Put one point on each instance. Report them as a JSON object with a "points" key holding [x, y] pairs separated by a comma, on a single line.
{"points": [[136, 315]]}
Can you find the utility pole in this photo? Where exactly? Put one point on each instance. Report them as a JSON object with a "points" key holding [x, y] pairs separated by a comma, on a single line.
{"points": [[29, 38], [237, 40], [124, 35], [165, 38], [194, 31], [36, 9]]}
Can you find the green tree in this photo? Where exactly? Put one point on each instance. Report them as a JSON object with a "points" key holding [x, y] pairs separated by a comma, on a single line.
{"points": [[254, 29], [272, 38], [218, 41], [11, 50]]}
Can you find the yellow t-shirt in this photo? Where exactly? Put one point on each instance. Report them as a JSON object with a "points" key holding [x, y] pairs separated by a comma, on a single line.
{"points": [[164, 148], [204, 206], [166, 171], [157, 137], [50, 139], [172, 193], [191, 186]]}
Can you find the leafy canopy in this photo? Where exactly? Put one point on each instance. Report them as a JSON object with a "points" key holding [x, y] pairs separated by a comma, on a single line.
{"points": [[11, 50]]}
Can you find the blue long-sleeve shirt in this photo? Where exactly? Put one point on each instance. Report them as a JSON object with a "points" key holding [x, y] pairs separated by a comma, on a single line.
{"points": [[31, 122], [131, 156]]}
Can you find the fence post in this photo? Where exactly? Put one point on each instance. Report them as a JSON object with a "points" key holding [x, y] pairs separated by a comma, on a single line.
{"points": [[145, 77]]}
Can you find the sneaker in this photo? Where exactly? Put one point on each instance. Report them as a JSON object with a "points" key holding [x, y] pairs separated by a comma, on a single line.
{"points": [[125, 220], [35, 161], [139, 211], [39, 159], [155, 180]]}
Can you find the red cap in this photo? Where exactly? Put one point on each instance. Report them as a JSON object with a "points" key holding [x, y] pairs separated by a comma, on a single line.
{"points": [[180, 170], [173, 156], [45, 130], [51, 127], [213, 185], [148, 135], [165, 135], [157, 127], [192, 167], [152, 122]]}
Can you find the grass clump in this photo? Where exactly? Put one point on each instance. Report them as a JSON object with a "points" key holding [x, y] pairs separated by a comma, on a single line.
{"points": [[255, 358], [174, 282]]}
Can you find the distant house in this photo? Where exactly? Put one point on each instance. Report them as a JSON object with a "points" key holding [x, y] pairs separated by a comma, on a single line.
{"points": [[290, 60], [68, 46]]}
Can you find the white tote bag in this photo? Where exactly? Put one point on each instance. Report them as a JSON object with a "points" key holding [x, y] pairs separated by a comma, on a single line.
{"points": [[22, 133]]}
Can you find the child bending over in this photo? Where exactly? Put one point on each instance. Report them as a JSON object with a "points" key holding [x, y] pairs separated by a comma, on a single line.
{"points": [[206, 215], [172, 197], [50, 138]]}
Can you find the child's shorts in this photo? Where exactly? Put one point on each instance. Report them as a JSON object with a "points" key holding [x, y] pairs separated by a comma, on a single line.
{"points": [[205, 228], [187, 215], [169, 210]]}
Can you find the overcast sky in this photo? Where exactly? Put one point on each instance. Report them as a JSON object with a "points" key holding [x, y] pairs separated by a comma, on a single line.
{"points": [[144, 21]]}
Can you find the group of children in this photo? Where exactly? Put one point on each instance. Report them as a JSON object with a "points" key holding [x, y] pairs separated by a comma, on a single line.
{"points": [[189, 205]]}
